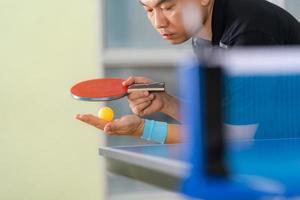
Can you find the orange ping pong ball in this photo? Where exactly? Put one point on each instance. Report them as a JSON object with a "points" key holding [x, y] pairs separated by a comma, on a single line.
{"points": [[106, 113]]}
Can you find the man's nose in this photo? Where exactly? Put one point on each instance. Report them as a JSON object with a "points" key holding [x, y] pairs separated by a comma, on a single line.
{"points": [[160, 20]]}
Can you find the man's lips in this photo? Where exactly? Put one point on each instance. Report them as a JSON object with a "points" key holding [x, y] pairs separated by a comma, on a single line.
{"points": [[168, 35]]}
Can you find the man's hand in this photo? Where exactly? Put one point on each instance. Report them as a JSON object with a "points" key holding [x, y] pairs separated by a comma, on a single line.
{"points": [[142, 102], [126, 125]]}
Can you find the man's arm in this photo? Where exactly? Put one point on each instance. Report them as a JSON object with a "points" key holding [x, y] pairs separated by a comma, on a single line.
{"points": [[174, 134], [171, 106], [130, 125]]}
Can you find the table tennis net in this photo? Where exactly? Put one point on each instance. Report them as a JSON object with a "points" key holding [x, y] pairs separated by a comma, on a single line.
{"points": [[243, 96], [269, 103]]}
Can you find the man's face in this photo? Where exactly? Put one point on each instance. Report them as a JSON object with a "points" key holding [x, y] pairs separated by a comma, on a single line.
{"points": [[166, 18]]}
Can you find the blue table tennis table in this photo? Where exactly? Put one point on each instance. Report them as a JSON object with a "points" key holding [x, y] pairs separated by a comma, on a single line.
{"points": [[269, 165], [277, 159]]}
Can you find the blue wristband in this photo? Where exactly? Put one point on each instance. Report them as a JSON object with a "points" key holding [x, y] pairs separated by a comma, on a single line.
{"points": [[155, 131]]}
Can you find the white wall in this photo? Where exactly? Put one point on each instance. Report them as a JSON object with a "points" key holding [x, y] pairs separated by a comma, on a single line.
{"points": [[46, 46], [280, 3]]}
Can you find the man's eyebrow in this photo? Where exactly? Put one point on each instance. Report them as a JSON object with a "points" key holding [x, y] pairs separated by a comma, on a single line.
{"points": [[157, 4]]}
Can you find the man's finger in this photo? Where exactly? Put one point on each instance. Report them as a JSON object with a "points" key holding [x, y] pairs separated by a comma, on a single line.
{"points": [[140, 108], [139, 101], [129, 81], [136, 95], [136, 79], [147, 111], [107, 129], [112, 128], [92, 120], [142, 79]]}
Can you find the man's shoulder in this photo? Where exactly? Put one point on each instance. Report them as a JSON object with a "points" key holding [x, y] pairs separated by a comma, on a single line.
{"points": [[247, 18]]}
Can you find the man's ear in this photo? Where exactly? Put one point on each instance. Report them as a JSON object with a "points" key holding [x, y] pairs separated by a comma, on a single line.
{"points": [[205, 3]]}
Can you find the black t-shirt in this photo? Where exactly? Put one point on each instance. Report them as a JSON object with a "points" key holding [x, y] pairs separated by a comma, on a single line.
{"points": [[251, 22]]}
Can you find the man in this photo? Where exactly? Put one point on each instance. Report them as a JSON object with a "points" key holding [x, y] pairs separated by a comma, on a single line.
{"points": [[225, 23], [222, 23]]}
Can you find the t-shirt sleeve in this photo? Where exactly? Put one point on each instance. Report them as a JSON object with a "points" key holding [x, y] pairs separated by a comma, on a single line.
{"points": [[254, 39]]}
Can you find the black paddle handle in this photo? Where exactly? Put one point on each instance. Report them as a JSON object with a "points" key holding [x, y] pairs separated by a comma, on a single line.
{"points": [[151, 87]]}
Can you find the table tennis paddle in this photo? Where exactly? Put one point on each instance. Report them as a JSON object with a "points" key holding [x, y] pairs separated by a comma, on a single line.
{"points": [[107, 89]]}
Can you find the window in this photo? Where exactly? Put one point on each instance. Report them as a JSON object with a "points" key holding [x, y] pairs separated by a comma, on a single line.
{"points": [[121, 31]]}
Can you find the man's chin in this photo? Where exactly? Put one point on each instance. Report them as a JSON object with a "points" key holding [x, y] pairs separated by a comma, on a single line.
{"points": [[174, 42]]}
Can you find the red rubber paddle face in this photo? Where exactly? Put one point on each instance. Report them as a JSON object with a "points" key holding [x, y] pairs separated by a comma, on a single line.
{"points": [[104, 89]]}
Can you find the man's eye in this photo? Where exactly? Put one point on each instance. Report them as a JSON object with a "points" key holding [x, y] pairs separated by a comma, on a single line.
{"points": [[169, 8], [149, 10]]}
